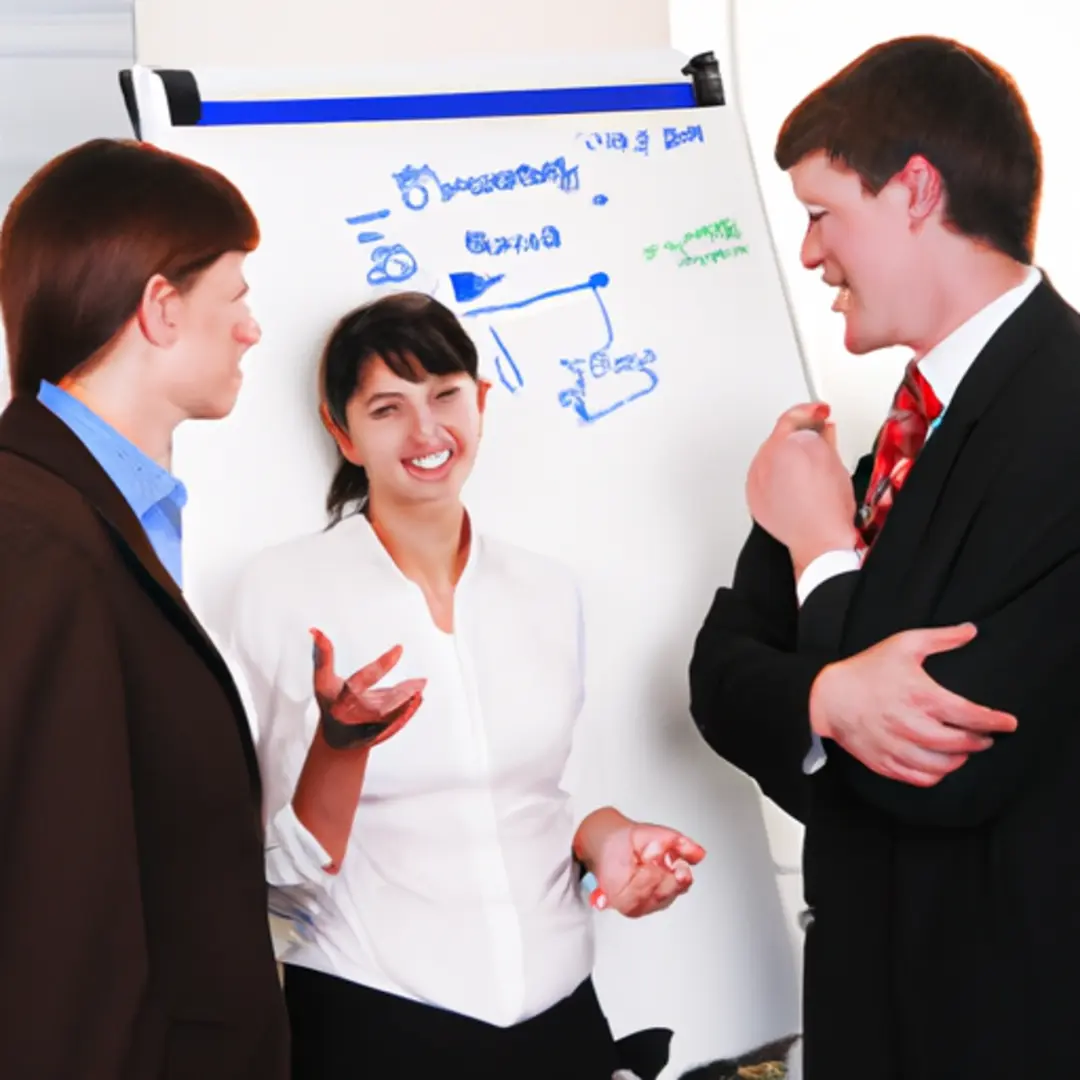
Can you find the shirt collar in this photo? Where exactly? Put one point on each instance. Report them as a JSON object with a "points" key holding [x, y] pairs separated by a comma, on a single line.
{"points": [[141, 480], [945, 365]]}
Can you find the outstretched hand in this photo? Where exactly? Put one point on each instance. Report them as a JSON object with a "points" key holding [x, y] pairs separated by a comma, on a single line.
{"points": [[352, 713]]}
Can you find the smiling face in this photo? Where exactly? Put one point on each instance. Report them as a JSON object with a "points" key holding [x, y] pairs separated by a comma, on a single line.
{"points": [[417, 441], [866, 246]]}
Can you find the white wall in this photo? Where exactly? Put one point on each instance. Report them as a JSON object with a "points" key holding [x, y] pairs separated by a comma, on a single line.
{"points": [[345, 32], [787, 47], [58, 64]]}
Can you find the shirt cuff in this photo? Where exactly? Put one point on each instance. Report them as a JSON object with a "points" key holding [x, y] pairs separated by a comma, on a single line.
{"points": [[826, 566], [815, 757], [293, 855]]}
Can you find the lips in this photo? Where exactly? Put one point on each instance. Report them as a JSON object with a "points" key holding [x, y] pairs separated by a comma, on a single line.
{"points": [[431, 466], [842, 303]]}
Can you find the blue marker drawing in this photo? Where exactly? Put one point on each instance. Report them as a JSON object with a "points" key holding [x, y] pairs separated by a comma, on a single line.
{"points": [[412, 181], [587, 372], [392, 262], [674, 137], [479, 243], [600, 200], [469, 286], [597, 281], [618, 140], [363, 219]]}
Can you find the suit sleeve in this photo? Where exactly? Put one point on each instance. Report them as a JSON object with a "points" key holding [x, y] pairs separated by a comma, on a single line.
{"points": [[750, 680], [72, 949]]}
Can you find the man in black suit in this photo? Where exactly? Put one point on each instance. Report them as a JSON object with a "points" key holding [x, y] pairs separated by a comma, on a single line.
{"points": [[898, 665]]}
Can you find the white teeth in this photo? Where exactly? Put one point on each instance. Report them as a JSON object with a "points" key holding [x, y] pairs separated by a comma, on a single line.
{"points": [[431, 461]]}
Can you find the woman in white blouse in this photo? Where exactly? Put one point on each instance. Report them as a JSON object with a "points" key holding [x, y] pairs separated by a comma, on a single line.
{"points": [[423, 825]]}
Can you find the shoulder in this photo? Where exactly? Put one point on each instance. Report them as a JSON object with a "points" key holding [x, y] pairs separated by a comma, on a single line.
{"points": [[42, 511], [298, 564], [522, 570]]}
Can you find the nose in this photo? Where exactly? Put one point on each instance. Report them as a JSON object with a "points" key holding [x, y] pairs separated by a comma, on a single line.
{"points": [[425, 425], [249, 332], [811, 253]]}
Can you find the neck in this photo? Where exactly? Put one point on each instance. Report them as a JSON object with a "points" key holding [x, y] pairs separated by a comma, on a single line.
{"points": [[112, 390], [961, 289], [429, 544]]}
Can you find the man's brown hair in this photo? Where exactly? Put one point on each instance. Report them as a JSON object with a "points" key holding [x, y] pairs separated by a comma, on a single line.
{"points": [[938, 98], [85, 235]]}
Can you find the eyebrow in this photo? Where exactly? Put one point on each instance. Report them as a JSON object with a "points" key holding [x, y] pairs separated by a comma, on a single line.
{"points": [[381, 395]]}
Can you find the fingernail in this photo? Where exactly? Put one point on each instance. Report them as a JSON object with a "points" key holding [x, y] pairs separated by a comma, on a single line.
{"points": [[652, 849]]}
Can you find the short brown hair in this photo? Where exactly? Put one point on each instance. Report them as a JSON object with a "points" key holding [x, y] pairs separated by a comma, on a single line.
{"points": [[938, 98], [85, 235]]}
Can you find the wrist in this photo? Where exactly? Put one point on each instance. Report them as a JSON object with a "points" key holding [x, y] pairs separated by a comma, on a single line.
{"points": [[802, 555], [593, 833], [818, 710]]}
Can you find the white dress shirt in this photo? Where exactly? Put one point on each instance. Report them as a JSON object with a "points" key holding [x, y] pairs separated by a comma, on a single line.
{"points": [[943, 367], [458, 887]]}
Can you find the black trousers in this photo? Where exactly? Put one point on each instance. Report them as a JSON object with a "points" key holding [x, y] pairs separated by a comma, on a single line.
{"points": [[344, 1031]]}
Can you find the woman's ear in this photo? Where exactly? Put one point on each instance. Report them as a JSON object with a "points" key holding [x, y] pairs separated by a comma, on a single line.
{"points": [[341, 437]]}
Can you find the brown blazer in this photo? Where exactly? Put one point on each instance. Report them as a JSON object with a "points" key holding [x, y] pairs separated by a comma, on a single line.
{"points": [[133, 931]]}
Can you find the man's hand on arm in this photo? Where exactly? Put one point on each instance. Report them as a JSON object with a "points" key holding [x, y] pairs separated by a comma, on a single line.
{"points": [[884, 709]]}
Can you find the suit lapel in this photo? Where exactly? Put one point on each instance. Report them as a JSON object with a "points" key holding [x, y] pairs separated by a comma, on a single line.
{"points": [[31, 431], [904, 570]]}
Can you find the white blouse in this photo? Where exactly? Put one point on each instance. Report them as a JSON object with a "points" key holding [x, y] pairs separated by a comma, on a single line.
{"points": [[458, 887]]}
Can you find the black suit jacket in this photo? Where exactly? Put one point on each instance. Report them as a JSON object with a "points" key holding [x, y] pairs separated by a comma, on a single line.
{"points": [[133, 929], [946, 934]]}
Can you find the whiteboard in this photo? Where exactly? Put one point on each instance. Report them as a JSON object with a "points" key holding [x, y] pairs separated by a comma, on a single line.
{"points": [[616, 273]]}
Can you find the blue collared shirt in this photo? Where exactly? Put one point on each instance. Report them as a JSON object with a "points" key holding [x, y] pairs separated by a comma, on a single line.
{"points": [[153, 493]]}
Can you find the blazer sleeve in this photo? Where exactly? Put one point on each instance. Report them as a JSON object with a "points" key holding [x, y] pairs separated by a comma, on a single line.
{"points": [[749, 681], [73, 956]]}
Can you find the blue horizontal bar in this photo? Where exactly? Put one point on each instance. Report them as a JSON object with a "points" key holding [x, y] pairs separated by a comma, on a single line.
{"points": [[583, 99]]}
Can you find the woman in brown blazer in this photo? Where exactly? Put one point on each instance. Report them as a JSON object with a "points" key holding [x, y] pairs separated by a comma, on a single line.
{"points": [[133, 931]]}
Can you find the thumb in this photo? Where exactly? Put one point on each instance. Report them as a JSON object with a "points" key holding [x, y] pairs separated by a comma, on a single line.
{"points": [[938, 640], [809, 416]]}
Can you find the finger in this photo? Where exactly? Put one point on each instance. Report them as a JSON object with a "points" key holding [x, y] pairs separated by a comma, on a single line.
{"points": [[326, 680], [371, 673], [953, 709], [913, 777], [810, 415], [928, 731], [926, 642], [689, 850], [684, 876], [912, 757], [322, 651], [828, 433], [384, 702], [407, 712]]}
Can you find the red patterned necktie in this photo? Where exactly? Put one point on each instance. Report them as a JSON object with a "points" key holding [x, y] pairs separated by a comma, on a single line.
{"points": [[914, 410]]}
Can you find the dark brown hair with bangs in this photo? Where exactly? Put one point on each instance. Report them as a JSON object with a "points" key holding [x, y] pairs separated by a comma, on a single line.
{"points": [[415, 336], [938, 98], [85, 235]]}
